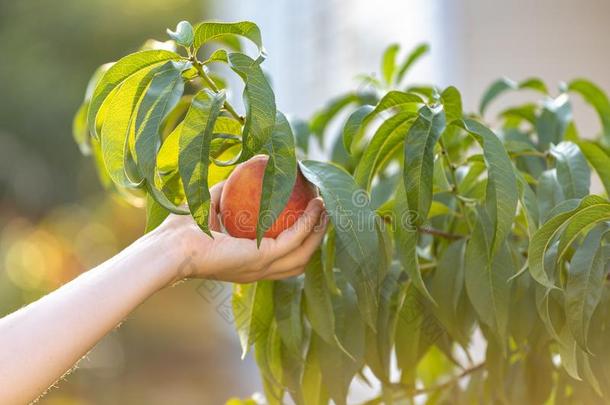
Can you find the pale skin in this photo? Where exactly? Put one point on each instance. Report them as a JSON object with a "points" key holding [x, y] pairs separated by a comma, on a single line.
{"points": [[42, 341]]}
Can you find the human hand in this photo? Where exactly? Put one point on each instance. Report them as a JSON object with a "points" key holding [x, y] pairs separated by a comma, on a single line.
{"points": [[227, 258]]}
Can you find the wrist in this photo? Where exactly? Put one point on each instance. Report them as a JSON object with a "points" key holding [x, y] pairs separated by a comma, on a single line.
{"points": [[169, 240]]}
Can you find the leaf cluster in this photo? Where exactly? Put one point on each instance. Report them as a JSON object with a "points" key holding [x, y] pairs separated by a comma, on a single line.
{"points": [[443, 226]]}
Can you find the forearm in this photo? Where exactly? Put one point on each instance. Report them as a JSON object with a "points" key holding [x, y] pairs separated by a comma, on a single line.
{"points": [[40, 342]]}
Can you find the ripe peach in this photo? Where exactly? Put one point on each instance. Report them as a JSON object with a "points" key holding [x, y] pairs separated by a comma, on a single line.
{"points": [[241, 196]]}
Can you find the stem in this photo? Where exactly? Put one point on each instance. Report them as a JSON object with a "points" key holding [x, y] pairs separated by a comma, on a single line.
{"points": [[407, 392], [454, 188], [448, 383], [430, 231], [227, 106], [442, 234]]}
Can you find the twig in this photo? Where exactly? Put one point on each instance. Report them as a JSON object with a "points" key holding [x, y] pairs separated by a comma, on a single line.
{"points": [[442, 234], [408, 392], [227, 106], [447, 383], [454, 185]]}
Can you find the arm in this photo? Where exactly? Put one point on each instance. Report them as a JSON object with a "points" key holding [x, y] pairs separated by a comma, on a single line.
{"points": [[43, 340]]}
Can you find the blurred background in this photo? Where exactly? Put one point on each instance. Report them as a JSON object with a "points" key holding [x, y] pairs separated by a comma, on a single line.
{"points": [[56, 221]]}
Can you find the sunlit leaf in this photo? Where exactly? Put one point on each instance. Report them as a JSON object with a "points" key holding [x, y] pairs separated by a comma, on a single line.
{"points": [[280, 175], [388, 62], [253, 312], [413, 57], [597, 99], [388, 138], [194, 154], [118, 73], [119, 122], [599, 160], [504, 84], [210, 31], [260, 102], [162, 94]]}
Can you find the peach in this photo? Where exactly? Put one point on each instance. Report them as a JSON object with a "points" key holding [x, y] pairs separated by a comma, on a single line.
{"points": [[241, 196]]}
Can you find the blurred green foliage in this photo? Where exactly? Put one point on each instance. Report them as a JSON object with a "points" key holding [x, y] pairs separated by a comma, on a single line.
{"points": [[49, 51], [55, 220]]}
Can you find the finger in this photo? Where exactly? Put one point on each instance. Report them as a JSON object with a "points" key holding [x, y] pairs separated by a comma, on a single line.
{"points": [[287, 274], [301, 255], [215, 193], [294, 236]]}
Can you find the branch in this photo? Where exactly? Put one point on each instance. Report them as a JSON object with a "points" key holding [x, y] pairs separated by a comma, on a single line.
{"points": [[227, 106], [408, 392], [442, 234], [430, 231], [447, 383]]}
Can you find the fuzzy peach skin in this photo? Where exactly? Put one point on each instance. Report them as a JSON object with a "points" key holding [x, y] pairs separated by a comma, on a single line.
{"points": [[241, 196]]}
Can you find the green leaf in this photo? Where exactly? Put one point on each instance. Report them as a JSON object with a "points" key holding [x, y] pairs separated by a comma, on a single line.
{"points": [[391, 297], [573, 172], [599, 160], [194, 154], [338, 369], [287, 297], [155, 214], [553, 122], [353, 125], [219, 55], [549, 192], [527, 197], [501, 193], [452, 103], [314, 391], [584, 285], [597, 99], [447, 287], [416, 331], [388, 63], [80, 130], [386, 140], [322, 118], [161, 96], [118, 73], [301, 132], [183, 35], [80, 133], [354, 223], [543, 237], [267, 352], [415, 54], [406, 235], [419, 160], [318, 300], [504, 84], [486, 278], [280, 175], [119, 123], [581, 222], [253, 312], [397, 101], [210, 31], [260, 102]]}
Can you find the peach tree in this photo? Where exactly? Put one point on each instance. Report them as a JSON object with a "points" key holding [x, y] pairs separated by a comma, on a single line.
{"points": [[463, 264]]}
